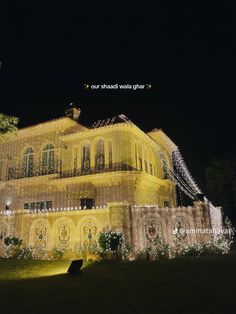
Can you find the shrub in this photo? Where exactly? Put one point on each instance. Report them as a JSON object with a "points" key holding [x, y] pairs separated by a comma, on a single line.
{"points": [[110, 241], [157, 249], [40, 254], [14, 241], [127, 251], [26, 253], [58, 253], [12, 247], [213, 247], [142, 255]]}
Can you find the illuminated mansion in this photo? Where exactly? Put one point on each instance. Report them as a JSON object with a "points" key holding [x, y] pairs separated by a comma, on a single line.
{"points": [[61, 183]]}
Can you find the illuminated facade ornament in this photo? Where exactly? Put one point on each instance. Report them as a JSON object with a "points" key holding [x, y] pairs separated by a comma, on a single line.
{"points": [[92, 179]]}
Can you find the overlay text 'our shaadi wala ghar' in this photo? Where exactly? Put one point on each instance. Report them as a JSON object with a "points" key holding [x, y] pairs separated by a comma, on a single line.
{"points": [[117, 86]]}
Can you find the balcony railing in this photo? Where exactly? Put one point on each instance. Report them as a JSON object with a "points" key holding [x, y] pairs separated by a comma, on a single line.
{"points": [[96, 170], [19, 172]]}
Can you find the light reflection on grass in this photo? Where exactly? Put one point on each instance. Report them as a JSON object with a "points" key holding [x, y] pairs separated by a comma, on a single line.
{"points": [[194, 285], [26, 269]]}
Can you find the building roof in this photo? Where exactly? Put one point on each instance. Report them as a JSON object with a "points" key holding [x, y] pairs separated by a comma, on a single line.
{"points": [[163, 140], [64, 125]]}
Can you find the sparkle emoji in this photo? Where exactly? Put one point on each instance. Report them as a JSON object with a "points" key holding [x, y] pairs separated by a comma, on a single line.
{"points": [[148, 86], [86, 86]]}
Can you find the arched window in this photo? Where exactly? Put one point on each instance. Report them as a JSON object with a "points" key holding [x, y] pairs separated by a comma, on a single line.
{"points": [[110, 154], [154, 170], [48, 159], [85, 158], [165, 167], [140, 159], [100, 155], [136, 155], [76, 153], [151, 163], [151, 168], [146, 165], [146, 161], [28, 162]]}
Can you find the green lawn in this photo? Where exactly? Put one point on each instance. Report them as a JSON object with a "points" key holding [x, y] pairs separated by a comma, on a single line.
{"points": [[183, 285]]}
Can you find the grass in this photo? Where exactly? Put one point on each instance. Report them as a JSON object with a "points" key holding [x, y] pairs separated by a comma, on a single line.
{"points": [[183, 285]]}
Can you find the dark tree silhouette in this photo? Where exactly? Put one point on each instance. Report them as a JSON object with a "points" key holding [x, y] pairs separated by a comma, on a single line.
{"points": [[221, 185], [8, 125]]}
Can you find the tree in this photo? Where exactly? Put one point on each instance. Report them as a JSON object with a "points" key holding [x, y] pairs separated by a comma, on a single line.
{"points": [[8, 125], [221, 185]]}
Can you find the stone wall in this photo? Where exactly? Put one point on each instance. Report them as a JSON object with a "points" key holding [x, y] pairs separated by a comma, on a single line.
{"points": [[141, 224], [70, 229]]}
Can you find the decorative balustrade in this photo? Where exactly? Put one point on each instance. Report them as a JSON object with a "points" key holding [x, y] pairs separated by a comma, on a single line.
{"points": [[49, 210], [96, 170], [19, 172]]}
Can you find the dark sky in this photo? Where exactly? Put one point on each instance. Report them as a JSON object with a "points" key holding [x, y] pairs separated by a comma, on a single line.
{"points": [[186, 51]]}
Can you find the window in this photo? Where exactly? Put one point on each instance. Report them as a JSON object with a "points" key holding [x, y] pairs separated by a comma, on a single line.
{"points": [[76, 161], [140, 161], [146, 165], [110, 154], [151, 171], [165, 172], [85, 158], [38, 205], [28, 162], [151, 160], [1, 170], [136, 156], [48, 161], [165, 167], [87, 203], [26, 205], [166, 204], [145, 157], [11, 173], [100, 156]]}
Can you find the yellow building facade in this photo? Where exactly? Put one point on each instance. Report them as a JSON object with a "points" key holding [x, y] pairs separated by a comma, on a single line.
{"points": [[61, 183]]}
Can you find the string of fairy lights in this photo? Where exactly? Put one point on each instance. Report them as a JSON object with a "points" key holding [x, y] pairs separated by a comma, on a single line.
{"points": [[181, 166], [180, 174]]}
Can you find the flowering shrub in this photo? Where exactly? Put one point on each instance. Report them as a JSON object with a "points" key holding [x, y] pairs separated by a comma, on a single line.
{"points": [[155, 250], [110, 241], [58, 253], [217, 247], [127, 253], [88, 253], [229, 236], [14, 241], [26, 253], [12, 247], [163, 251], [40, 254], [142, 255]]}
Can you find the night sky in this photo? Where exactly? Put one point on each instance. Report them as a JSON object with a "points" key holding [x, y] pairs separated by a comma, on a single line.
{"points": [[48, 53]]}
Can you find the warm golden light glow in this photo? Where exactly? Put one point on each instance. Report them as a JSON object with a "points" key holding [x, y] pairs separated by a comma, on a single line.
{"points": [[65, 183]]}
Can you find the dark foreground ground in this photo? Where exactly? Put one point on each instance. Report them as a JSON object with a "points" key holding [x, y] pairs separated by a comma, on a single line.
{"points": [[184, 285]]}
